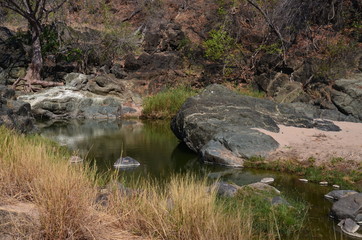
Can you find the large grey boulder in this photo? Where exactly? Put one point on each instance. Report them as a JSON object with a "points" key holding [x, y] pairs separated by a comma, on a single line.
{"points": [[348, 207], [220, 125], [347, 95]]}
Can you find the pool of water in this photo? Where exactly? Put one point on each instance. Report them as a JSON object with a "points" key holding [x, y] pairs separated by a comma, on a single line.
{"points": [[161, 154]]}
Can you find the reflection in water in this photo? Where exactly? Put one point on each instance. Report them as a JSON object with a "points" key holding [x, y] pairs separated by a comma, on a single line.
{"points": [[161, 155]]}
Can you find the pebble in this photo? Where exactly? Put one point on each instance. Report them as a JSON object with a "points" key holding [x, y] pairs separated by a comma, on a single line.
{"points": [[267, 180], [323, 183], [303, 180], [336, 186]]}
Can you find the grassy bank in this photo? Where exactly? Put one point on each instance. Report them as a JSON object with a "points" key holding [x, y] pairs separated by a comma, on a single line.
{"points": [[165, 104], [346, 174], [36, 171]]}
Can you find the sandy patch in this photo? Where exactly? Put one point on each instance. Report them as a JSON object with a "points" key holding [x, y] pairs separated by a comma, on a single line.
{"points": [[303, 143]]}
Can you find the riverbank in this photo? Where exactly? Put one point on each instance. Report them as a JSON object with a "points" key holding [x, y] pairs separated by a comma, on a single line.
{"points": [[66, 202]]}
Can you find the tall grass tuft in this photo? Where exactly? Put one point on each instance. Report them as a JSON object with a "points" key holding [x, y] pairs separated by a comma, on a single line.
{"points": [[165, 104], [185, 208]]}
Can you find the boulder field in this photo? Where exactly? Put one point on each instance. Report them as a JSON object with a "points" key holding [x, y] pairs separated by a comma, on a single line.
{"points": [[227, 128]]}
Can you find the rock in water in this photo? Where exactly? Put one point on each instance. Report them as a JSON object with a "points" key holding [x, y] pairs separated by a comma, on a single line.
{"points": [[338, 194], [126, 162], [348, 225], [267, 180], [220, 125], [347, 207]]}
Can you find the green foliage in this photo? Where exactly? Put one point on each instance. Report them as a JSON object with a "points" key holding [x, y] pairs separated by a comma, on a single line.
{"points": [[72, 55], [218, 46], [165, 104], [49, 40], [274, 48]]}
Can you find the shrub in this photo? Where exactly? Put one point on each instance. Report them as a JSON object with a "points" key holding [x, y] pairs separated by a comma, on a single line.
{"points": [[219, 45]]}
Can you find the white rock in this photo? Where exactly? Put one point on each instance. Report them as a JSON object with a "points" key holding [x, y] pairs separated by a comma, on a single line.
{"points": [[267, 180], [336, 186], [303, 180], [323, 183]]}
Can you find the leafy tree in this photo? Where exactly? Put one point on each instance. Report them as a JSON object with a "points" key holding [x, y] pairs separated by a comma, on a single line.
{"points": [[35, 12]]}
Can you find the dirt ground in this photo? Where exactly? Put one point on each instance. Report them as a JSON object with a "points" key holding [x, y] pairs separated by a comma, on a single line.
{"points": [[303, 143]]}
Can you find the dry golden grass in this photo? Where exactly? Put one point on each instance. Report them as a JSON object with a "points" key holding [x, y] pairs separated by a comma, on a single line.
{"points": [[35, 171], [184, 209]]}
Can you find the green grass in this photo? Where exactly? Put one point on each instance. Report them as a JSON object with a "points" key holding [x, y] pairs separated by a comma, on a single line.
{"points": [[165, 104], [269, 221]]}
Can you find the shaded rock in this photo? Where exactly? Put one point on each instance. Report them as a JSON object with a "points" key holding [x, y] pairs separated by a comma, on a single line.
{"points": [[358, 218], [338, 194], [347, 95], [348, 225], [226, 189], [131, 63], [118, 71], [314, 112], [15, 114], [219, 124], [12, 53], [126, 162], [347, 207]]}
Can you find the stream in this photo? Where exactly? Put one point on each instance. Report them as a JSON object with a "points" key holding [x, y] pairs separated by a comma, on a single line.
{"points": [[161, 155]]}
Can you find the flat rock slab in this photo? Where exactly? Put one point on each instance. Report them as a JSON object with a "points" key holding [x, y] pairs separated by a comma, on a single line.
{"points": [[224, 126]]}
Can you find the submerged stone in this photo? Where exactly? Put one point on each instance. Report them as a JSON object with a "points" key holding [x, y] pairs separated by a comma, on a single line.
{"points": [[126, 162]]}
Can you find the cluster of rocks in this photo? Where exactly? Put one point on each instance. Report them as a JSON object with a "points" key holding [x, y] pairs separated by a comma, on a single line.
{"points": [[262, 188], [221, 124], [83, 96], [347, 208]]}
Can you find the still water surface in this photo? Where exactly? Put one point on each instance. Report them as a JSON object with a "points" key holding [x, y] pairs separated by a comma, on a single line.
{"points": [[161, 155]]}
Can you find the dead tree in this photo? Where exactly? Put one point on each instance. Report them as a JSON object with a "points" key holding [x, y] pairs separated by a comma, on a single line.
{"points": [[34, 11]]}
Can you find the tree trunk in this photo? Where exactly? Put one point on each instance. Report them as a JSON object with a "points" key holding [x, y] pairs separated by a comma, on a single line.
{"points": [[32, 76], [36, 64]]}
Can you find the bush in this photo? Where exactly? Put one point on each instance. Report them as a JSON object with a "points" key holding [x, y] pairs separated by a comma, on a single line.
{"points": [[165, 104], [219, 45]]}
